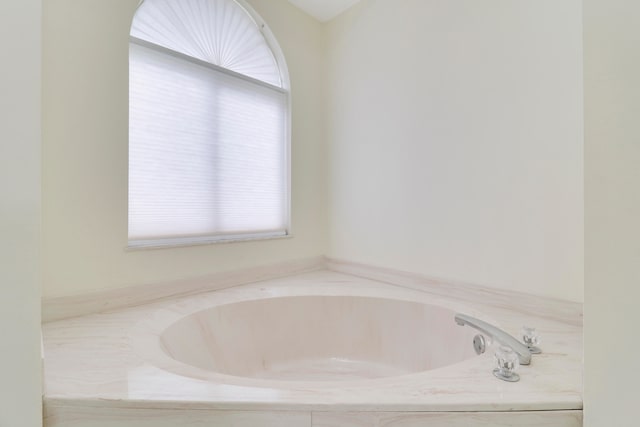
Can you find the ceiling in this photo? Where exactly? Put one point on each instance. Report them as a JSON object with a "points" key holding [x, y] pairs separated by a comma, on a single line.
{"points": [[324, 10]]}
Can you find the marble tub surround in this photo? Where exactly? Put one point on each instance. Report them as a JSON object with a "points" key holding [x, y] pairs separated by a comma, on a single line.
{"points": [[104, 366], [537, 306], [64, 307]]}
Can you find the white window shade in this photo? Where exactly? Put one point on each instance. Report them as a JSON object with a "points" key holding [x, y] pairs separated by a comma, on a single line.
{"points": [[220, 32], [208, 125]]}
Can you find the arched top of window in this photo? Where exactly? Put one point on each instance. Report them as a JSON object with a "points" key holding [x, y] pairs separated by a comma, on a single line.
{"points": [[225, 33]]}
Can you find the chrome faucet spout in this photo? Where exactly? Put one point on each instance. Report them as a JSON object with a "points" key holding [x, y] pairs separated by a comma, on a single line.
{"points": [[524, 355]]}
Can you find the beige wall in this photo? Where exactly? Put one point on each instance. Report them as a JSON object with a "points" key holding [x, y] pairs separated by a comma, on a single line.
{"points": [[85, 102], [612, 212], [456, 141], [20, 102], [455, 134]]}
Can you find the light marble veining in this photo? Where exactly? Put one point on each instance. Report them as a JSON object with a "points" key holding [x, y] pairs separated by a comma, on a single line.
{"points": [[560, 310], [63, 307], [114, 362]]}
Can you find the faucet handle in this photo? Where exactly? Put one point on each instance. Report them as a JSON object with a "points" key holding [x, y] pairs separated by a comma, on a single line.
{"points": [[508, 363], [531, 338]]}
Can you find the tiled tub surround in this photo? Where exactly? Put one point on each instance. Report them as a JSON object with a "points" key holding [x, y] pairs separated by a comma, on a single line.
{"points": [[181, 362]]}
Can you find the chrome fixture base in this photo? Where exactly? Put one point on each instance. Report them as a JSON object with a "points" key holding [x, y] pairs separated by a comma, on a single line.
{"points": [[531, 338], [512, 378], [535, 350]]}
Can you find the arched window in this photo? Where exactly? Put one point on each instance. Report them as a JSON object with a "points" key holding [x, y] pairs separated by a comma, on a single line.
{"points": [[209, 125]]}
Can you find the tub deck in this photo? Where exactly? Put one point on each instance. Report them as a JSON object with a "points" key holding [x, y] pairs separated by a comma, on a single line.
{"points": [[98, 373]]}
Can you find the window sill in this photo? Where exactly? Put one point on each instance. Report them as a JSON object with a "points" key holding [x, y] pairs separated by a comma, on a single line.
{"points": [[179, 242]]}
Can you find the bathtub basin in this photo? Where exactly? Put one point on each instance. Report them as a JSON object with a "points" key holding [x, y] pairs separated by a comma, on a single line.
{"points": [[318, 338]]}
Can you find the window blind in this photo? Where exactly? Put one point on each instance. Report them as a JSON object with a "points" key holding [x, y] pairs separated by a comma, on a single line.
{"points": [[220, 32], [207, 151]]}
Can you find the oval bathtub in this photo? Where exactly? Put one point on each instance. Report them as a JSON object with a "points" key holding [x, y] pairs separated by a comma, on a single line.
{"points": [[318, 338]]}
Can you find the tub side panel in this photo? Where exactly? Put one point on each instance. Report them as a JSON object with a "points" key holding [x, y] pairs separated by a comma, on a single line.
{"points": [[68, 416], [448, 419]]}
